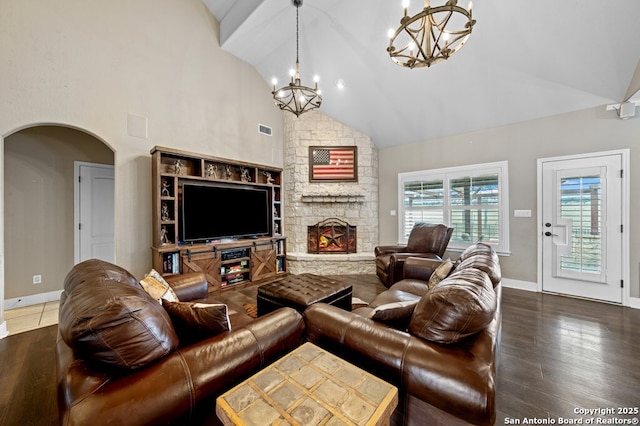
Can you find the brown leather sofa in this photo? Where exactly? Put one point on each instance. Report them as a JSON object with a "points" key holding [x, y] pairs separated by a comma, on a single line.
{"points": [[425, 240], [438, 345], [120, 361]]}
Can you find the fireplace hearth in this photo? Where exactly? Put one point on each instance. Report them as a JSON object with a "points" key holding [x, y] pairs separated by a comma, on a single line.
{"points": [[331, 236]]}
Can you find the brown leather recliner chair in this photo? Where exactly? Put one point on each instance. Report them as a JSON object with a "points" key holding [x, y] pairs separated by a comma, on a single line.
{"points": [[425, 240]]}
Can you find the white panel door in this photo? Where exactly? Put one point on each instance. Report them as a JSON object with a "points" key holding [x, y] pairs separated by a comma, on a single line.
{"points": [[582, 227], [95, 212]]}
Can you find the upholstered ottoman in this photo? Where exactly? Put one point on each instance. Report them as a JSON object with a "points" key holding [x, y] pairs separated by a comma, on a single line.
{"points": [[301, 291]]}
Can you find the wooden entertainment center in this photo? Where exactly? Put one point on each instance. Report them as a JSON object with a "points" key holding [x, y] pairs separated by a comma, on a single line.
{"points": [[226, 262]]}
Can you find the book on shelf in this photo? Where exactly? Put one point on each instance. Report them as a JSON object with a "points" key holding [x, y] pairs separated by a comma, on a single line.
{"points": [[235, 275], [176, 263], [235, 280], [171, 263]]}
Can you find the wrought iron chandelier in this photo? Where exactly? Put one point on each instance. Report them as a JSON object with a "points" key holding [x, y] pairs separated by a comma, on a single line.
{"points": [[295, 97], [431, 36]]}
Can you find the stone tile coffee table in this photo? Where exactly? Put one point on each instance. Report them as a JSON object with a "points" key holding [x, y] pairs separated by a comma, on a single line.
{"points": [[309, 386]]}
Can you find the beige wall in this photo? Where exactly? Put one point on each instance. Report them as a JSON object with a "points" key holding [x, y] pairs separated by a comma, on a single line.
{"points": [[39, 204], [90, 64], [591, 130]]}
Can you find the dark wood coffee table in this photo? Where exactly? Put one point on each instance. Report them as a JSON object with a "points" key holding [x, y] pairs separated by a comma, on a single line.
{"points": [[309, 386]]}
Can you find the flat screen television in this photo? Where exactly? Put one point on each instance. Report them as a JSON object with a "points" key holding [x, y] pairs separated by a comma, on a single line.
{"points": [[211, 212]]}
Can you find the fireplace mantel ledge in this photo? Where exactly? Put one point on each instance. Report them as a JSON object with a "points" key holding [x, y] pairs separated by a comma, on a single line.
{"points": [[340, 257], [326, 197]]}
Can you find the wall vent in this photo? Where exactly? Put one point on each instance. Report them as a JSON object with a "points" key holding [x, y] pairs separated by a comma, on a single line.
{"points": [[265, 130]]}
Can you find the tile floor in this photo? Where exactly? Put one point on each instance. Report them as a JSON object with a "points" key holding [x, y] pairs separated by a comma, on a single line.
{"points": [[31, 317]]}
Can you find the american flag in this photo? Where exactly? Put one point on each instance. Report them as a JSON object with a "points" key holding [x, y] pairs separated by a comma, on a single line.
{"points": [[333, 164]]}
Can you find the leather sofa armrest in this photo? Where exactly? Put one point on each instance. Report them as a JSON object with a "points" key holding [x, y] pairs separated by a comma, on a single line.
{"points": [[458, 379], [380, 250], [185, 382], [420, 268], [397, 260], [191, 286]]}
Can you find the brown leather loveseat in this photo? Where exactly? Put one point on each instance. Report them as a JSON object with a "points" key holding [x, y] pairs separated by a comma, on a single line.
{"points": [[120, 360], [438, 345]]}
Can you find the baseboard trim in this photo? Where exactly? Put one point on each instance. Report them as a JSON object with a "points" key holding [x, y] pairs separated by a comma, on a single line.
{"points": [[520, 285], [3, 330], [634, 302], [32, 299]]}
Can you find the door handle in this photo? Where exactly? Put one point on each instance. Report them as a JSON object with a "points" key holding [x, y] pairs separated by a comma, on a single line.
{"points": [[549, 234]]}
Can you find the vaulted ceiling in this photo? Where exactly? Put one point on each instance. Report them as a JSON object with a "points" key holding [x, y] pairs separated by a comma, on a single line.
{"points": [[524, 60]]}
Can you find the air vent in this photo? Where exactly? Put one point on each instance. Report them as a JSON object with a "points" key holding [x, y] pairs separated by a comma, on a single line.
{"points": [[265, 130]]}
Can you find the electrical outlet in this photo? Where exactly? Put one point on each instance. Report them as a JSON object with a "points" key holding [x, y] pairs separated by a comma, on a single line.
{"points": [[37, 279]]}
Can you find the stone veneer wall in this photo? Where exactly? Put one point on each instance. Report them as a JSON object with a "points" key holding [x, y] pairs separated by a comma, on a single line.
{"points": [[307, 203]]}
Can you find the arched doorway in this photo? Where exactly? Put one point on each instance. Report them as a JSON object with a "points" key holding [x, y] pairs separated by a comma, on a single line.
{"points": [[39, 208]]}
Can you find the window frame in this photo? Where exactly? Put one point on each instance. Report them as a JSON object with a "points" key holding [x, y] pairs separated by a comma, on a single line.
{"points": [[501, 168]]}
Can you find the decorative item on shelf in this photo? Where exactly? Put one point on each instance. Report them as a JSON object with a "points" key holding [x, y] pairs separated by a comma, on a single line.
{"points": [[164, 236], [164, 215], [276, 228], [212, 171], [430, 36], [178, 167], [269, 177], [244, 174], [227, 171], [295, 97], [276, 213], [164, 192]]}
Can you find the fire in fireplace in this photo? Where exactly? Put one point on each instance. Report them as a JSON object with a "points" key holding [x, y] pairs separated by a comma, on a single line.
{"points": [[331, 236]]}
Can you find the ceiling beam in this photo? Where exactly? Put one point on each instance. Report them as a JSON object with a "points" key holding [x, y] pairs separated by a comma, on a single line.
{"points": [[239, 12], [633, 92]]}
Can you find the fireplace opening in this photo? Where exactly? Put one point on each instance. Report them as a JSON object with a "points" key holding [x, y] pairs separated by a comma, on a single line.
{"points": [[331, 236]]}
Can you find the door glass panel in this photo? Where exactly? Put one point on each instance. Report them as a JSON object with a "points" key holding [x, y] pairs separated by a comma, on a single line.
{"points": [[580, 205]]}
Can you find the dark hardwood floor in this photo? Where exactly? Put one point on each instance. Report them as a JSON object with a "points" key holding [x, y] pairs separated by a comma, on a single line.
{"points": [[557, 355]]}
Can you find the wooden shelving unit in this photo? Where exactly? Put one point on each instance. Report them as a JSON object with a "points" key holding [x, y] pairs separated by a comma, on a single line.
{"points": [[226, 263]]}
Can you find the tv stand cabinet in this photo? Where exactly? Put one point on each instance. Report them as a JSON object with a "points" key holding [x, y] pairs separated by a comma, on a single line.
{"points": [[226, 263]]}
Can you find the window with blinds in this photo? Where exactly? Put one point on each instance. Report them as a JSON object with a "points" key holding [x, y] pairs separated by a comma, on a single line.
{"points": [[473, 200]]}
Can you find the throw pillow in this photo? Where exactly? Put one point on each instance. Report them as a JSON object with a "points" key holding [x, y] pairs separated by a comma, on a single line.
{"points": [[394, 311], [440, 273], [157, 287], [197, 321]]}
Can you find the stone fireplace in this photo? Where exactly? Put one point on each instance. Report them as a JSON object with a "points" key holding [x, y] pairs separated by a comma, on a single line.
{"points": [[327, 205]]}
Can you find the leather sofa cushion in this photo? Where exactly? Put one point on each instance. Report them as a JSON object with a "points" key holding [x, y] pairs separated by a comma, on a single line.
{"points": [[481, 256], [107, 317], [459, 306]]}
